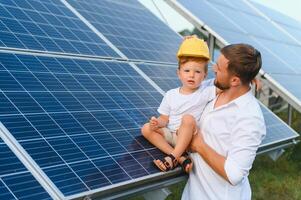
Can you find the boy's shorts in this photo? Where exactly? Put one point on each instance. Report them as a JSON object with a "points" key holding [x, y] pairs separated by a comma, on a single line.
{"points": [[170, 136]]}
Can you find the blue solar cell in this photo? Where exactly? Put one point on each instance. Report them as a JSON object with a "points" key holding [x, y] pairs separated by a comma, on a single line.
{"points": [[131, 166], [5, 103], [67, 122], [90, 175], [65, 179], [89, 146], [48, 26], [290, 82], [21, 128], [24, 102], [28, 81], [137, 39], [12, 163], [45, 125], [48, 102], [15, 181], [112, 170], [86, 116], [127, 140], [278, 17], [163, 75]]}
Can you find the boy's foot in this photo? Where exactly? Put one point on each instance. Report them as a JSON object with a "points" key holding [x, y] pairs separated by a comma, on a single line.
{"points": [[167, 163], [186, 163]]}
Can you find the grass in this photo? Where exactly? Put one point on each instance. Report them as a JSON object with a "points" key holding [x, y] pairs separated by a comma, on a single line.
{"points": [[280, 180]]}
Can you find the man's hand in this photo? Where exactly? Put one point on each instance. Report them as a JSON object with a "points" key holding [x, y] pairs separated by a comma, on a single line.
{"points": [[257, 83], [197, 142], [154, 123]]}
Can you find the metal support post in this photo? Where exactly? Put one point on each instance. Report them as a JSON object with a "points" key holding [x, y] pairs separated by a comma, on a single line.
{"points": [[290, 115], [160, 194]]}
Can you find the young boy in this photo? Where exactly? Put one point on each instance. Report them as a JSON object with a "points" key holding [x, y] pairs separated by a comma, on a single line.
{"points": [[189, 100]]}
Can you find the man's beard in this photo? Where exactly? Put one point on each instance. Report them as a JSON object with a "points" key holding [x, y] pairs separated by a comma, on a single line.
{"points": [[221, 86]]}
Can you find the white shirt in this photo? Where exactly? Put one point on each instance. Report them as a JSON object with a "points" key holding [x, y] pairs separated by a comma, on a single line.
{"points": [[175, 104], [235, 131]]}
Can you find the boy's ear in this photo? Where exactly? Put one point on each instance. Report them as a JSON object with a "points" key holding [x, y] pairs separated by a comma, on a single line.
{"points": [[178, 72]]}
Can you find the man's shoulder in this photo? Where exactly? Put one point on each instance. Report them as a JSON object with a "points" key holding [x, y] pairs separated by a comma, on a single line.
{"points": [[251, 108]]}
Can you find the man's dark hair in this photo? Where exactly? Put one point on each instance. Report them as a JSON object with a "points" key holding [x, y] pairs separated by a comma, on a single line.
{"points": [[244, 61]]}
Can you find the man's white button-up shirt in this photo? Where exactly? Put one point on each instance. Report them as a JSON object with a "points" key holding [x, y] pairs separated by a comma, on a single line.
{"points": [[235, 131]]}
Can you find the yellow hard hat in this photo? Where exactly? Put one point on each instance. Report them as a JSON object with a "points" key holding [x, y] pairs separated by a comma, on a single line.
{"points": [[194, 47]]}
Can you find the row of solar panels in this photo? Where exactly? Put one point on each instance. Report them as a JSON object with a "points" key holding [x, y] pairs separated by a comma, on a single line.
{"points": [[74, 111], [278, 37]]}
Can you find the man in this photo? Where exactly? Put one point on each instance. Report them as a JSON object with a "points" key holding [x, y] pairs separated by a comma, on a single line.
{"points": [[231, 130]]}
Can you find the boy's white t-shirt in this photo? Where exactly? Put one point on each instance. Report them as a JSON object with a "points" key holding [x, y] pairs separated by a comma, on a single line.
{"points": [[175, 104]]}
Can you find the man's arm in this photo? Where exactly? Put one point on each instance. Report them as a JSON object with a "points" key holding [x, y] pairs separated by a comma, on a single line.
{"points": [[245, 140], [210, 156]]}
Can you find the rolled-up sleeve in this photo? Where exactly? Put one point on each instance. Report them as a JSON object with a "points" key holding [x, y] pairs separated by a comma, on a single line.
{"points": [[246, 137]]}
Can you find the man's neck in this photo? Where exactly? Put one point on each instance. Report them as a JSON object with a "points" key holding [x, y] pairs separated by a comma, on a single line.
{"points": [[230, 94]]}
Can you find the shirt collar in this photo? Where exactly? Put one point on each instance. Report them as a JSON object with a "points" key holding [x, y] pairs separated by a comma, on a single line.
{"points": [[243, 99]]}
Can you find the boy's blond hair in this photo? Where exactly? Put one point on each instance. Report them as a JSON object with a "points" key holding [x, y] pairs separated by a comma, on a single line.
{"points": [[185, 59]]}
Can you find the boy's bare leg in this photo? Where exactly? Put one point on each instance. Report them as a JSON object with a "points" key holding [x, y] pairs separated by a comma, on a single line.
{"points": [[184, 136], [156, 138]]}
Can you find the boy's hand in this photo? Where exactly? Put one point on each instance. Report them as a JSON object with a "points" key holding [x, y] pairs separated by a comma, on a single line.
{"points": [[154, 123]]}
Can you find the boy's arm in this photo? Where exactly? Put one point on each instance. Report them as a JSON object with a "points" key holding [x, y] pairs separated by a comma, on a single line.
{"points": [[156, 123], [159, 122], [163, 120]]}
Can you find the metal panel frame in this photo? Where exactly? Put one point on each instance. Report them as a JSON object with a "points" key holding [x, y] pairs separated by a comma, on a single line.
{"points": [[29, 163]]}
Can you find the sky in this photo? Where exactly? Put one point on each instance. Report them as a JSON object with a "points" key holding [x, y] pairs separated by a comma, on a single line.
{"points": [[291, 8]]}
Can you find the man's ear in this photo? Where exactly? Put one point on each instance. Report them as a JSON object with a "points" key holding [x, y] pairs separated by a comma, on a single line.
{"points": [[235, 81]]}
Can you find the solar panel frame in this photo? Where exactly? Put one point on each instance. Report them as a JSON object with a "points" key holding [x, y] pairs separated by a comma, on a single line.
{"points": [[16, 182]]}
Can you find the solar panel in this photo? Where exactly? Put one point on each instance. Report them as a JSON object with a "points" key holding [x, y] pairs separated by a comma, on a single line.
{"points": [[281, 19], [81, 128], [237, 22], [165, 77], [16, 182], [145, 39], [47, 26], [79, 116]]}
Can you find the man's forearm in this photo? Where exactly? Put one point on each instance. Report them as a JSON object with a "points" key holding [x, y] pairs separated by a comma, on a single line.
{"points": [[213, 159]]}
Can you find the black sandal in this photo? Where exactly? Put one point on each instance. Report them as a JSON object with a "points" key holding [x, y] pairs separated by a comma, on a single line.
{"points": [[186, 162], [168, 165]]}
